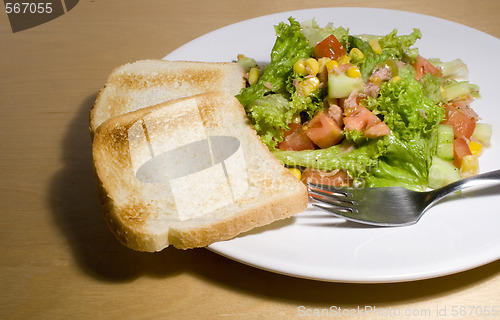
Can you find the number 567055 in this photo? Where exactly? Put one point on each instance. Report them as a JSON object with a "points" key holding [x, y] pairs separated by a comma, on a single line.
{"points": [[28, 7]]}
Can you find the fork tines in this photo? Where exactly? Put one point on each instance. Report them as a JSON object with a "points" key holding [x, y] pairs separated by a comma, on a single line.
{"points": [[337, 200]]}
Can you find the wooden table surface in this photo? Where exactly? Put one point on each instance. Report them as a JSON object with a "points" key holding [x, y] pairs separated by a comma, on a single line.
{"points": [[57, 258]]}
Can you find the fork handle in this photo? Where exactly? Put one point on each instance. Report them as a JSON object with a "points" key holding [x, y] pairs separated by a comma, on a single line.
{"points": [[483, 180]]}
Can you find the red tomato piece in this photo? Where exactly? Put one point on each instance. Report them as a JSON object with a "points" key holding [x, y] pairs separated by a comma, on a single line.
{"points": [[336, 178], [330, 47], [463, 126], [423, 66], [363, 120], [293, 127], [296, 139], [324, 131], [378, 130], [460, 150]]}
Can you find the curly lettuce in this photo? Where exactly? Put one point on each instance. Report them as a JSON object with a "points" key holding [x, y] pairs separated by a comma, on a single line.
{"points": [[271, 114], [272, 102], [401, 158], [270, 117], [315, 34], [392, 46], [358, 162], [290, 46], [406, 109]]}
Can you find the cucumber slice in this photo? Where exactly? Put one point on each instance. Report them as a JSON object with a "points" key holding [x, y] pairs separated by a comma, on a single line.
{"points": [[445, 137], [442, 172], [482, 133], [445, 151], [445, 133], [455, 90], [341, 85]]}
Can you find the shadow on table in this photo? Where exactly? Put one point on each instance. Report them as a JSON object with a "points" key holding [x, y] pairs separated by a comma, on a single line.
{"points": [[97, 252], [78, 214]]}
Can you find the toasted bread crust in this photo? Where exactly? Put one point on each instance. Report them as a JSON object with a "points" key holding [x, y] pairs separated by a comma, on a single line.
{"points": [[145, 83], [138, 218], [248, 219]]}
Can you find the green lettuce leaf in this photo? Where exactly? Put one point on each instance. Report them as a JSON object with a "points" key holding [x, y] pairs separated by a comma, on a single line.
{"points": [[405, 163], [315, 34], [270, 117], [406, 109], [290, 46], [393, 47], [357, 162], [432, 87], [271, 114], [401, 44]]}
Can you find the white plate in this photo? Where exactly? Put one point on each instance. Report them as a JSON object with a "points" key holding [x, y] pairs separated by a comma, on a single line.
{"points": [[453, 236]]}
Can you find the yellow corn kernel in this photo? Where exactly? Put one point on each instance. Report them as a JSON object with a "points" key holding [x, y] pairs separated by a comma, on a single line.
{"points": [[253, 76], [356, 54], [331, 65], [312, 66], [300, 66], [470, 166], [375, 46], [296, 173], [322, 62], [396, 79], [375, 80], [353, 72], [307, 86], [344, 59], [323, 69], [475, 147]]}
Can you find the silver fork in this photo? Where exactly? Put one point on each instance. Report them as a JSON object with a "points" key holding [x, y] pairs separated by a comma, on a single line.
{"points": [[389, 206]]}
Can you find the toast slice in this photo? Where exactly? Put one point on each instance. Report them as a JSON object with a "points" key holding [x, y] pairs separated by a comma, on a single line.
{"points": [[189, 172], [145, 83]]}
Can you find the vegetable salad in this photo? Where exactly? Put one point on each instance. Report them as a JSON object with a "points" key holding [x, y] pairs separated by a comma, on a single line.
{"points": [[363, 110]]}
